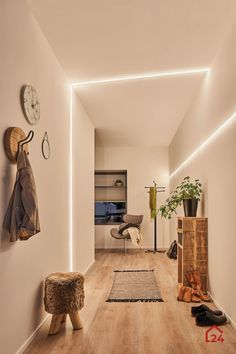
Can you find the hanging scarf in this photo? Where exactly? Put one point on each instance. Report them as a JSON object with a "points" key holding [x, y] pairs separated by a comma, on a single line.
{"points": [[153, 201]]}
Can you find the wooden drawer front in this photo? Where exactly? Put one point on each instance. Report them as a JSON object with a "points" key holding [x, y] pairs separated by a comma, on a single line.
{"points": [[189, 225], [189, 254], [201, 225], [202, 267], [201, 254], [189, 266], [201, 239], [189, 239]]}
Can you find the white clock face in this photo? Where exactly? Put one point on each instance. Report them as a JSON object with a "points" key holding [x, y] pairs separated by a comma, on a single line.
{"points": [[30, 104]]}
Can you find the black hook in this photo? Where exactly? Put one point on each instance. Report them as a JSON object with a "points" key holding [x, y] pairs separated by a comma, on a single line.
{"points": [[25, 141]]}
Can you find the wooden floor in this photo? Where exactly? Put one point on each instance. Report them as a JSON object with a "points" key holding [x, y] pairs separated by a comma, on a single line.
{"points": [[132, 328]]}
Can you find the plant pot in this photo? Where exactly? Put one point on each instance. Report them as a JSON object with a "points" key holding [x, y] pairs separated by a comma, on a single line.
{"points": [[190, 207]]}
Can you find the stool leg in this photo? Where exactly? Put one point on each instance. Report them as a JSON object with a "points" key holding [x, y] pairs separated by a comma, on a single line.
{"points": [[63, 318], [55, 324], [75, 320]]}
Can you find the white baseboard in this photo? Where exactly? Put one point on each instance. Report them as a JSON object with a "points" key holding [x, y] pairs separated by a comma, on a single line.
{"points": [[233, 324], [90, 265], [130, 248], [31, 337]]}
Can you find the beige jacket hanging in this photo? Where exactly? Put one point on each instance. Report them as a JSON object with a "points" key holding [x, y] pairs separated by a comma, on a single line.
{"points": [[22, 217]]}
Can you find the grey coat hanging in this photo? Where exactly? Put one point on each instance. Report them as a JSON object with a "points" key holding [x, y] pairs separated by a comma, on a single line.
{"points": [[22, 217]]}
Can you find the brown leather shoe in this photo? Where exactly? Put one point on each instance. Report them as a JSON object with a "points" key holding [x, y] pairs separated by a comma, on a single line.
{"points": [[194, 278], [190, 279], [181, 293], [188, 294], [197, 280], [195, 296], [201, 296]]}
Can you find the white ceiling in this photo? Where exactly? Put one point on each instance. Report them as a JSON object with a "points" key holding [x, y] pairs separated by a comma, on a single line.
{"points": [[96, 39], [144, 113]]}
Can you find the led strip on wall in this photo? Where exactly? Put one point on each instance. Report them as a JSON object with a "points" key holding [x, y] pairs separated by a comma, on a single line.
{"points": [[70, 238], [216, 133]]}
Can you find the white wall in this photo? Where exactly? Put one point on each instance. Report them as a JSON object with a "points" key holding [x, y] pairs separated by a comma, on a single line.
{"points": [[143, 166], [83, 191], [216, 168], [26, 58]]}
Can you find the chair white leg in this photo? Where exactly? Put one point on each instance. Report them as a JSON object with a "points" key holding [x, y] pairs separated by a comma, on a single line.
{"points": [[108, 248]]}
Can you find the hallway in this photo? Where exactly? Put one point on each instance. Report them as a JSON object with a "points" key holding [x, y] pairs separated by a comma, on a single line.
{"points": [[128, 328]]}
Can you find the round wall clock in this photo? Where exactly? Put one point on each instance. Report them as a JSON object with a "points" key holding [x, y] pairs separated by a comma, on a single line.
{"points": [[30, 104]]}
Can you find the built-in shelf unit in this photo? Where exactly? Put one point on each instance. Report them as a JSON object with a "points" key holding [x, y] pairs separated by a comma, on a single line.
{"points": [[110, 199]]}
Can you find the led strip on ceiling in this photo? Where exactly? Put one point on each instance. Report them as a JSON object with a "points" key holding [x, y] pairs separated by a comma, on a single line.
{"points": [[143, 76]]}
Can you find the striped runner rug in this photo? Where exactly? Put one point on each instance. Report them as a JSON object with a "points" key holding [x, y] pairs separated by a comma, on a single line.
{"points": [[135, 285]]}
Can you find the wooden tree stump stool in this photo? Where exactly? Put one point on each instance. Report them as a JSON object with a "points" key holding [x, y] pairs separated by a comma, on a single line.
{"points": [[64, 294]]}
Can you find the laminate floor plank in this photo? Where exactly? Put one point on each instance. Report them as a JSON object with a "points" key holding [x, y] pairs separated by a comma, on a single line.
{"points": [[132, 328]]}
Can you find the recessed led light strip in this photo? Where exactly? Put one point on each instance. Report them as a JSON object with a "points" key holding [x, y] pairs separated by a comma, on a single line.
{"points": [[216, 133], [143, 76], [70, 235]]}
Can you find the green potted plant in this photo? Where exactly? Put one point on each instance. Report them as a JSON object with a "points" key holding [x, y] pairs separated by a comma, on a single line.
{"points": [[188, 193]]}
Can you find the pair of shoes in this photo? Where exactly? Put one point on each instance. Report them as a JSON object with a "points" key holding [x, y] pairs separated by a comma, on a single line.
{"points": [[197, 310], [194, 279], [187, 294], [208, 317]]}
